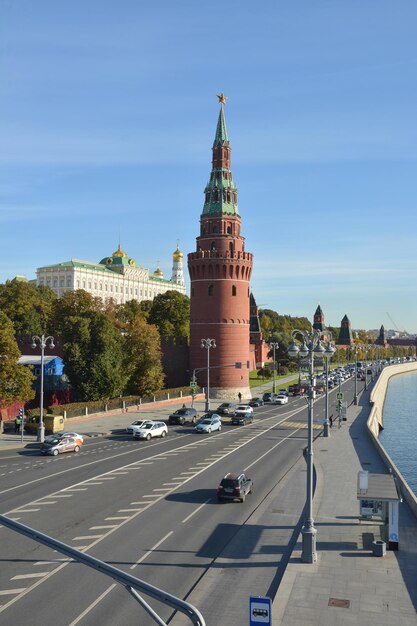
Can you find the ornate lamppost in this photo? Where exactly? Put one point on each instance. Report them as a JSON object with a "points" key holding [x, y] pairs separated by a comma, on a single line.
{"points": [[42, 342], [328, 353], [311, 347], [208, 343]]}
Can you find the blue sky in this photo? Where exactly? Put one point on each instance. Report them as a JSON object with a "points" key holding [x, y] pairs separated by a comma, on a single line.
{"points": [[108, 111]]}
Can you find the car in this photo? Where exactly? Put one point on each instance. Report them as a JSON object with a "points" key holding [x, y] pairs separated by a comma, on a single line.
{"points": [[181, 416], [59, 445], [136, 425], [283, 392], [71, 434], [227, 408], [268, 397], [256, 402], [209, 423], [234, 487], [242, 419], [281, 399], [244, 409], [150, 430]]}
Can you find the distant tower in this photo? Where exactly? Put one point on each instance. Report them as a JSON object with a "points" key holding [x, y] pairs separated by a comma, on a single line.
{"points": [[345, 336], [382, 340], [220, 271], [318, 323], [177, 269]]}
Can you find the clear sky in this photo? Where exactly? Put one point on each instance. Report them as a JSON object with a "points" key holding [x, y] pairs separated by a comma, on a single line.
{"points": [[108, 111]]}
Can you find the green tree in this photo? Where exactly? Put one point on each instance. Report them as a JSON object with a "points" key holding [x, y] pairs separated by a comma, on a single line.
{"points": [[92, 347], [15, 380], [170, 312], [143, 358], [27, 306]]}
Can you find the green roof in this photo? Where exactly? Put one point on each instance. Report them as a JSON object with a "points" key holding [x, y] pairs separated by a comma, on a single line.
{"points": [[221, 130]]}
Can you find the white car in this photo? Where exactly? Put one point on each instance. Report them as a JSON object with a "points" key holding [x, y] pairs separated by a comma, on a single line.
{"points": [[71, 434], [244, 409], [150, 430], [209, 423], [136, 425], [281, 399]]}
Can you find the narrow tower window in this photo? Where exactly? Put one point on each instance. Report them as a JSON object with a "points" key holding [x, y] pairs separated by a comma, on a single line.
{"points": [[210, 290], [233, 290]]}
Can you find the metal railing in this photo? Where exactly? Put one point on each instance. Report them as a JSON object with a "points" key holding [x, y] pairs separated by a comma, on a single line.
{"points": [[132, 584]]}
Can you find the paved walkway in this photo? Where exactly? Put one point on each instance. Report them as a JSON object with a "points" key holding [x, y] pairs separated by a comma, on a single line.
{"points": [[348, 585]]}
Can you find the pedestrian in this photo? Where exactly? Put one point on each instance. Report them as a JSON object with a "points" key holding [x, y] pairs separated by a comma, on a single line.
{"points": [[239, 395], [17, 423], [183, 406], [331, 420]]}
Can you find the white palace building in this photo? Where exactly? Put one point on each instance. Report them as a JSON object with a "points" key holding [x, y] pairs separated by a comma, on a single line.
{"points": [[116, 277]]}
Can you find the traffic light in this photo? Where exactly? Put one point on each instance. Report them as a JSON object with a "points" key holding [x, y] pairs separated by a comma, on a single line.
{"points": [[339, 406], [21, 412]]}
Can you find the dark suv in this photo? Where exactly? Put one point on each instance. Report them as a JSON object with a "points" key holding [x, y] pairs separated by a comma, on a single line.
{"points": [[227, 408], [182, 416], [268, 397], [234, 487]]}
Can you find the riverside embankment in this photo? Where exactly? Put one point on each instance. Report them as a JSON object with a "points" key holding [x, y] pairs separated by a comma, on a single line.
{"points": [[375, 424]]}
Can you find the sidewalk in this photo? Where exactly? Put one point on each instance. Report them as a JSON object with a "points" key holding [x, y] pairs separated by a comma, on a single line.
{"points": [[348, 585]]}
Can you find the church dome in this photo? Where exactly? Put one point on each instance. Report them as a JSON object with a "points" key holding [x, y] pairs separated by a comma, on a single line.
{"points": [[158, 273], [119, 253], [177, 255], [119, 258]]}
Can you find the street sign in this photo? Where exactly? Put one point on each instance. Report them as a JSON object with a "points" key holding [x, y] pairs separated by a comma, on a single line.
{"points": [[340, 395], [193, 384], [259, 611]]}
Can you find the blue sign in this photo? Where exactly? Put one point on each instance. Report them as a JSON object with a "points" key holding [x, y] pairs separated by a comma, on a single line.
{"points": [[259, 611]]}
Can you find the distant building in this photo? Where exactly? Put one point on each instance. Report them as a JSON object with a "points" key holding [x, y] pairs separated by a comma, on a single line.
{"points": [[258, 348], [117, 277], [319, 324], [345, 336], [382, 340]]}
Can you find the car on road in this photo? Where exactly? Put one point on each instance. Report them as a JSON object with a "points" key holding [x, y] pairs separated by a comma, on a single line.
{"points": [[227, 408], [283, 392], [234, 487], [181, 416], [268, 397], [209, 423], [136, 425], [150, 430], [55, 446], [243, 415], [256, 402], [71, 434], [281, 399]]}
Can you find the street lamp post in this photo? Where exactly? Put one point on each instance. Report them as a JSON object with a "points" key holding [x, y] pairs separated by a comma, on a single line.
{"points": [[327, 356], [311, 346], [355, 397], [208, 343], [365, 350], [42, 342], [274, 346]]}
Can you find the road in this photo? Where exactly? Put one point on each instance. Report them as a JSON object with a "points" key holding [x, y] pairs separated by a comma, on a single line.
{"points": [[150, 509]]}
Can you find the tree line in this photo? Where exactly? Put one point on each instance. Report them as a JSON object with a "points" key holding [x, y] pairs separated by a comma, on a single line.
{"points": [[108, 349]]}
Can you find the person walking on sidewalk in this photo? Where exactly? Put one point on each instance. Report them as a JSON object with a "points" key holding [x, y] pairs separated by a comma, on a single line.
{"points": [[331, 420]]}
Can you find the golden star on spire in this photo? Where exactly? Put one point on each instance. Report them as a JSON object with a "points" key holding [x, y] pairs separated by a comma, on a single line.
{"points": [[222, 98]]}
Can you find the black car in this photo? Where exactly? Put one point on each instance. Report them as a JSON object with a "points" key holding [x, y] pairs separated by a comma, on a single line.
{"points": [[182, 416], [234, 487], [242, 420], [268, 397], [227, 408], [256, 402]]}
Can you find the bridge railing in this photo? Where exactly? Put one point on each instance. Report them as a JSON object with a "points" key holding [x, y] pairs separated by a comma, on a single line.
{"points": [[132, 584]]}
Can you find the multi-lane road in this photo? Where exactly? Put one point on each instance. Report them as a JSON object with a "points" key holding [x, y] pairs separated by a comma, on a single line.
{"points": [[150, 509]]}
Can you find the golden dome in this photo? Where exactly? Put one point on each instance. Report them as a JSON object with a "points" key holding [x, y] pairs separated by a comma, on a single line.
{"points": [[119, 253], [177, 255], [158, 272]]}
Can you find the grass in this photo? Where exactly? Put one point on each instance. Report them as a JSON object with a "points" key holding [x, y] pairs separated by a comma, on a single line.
{"points": [[255, 381]]}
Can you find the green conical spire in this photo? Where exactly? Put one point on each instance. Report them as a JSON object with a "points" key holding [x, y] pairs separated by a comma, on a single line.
{"points": [[221, 192], [221, 131]]}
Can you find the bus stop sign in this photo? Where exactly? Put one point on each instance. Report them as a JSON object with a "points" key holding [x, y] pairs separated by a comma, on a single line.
{"points": [[259, 611]]}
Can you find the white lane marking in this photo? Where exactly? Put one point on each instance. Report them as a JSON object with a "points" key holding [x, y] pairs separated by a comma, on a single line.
{"points": [[7, 592], [196, 511], [170, 484], [54, 562], [128, 510], [22, 576], [145, 503], [90, 482], [114, 517], [61, 495], [162, 489], [76, 488], [107, 477], [82, 538], [25, 510], [119, 473], [46, 502], [152, 495], [102, 527]]}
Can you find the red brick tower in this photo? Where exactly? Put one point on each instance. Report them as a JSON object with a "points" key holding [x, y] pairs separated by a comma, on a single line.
{"points": [[220, 272]]}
